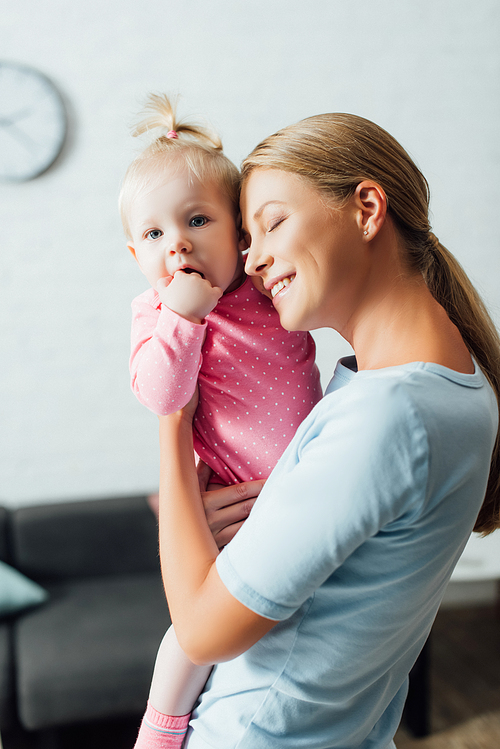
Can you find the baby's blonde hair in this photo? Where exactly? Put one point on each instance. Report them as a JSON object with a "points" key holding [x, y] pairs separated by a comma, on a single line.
{"points": [[176, 143]]}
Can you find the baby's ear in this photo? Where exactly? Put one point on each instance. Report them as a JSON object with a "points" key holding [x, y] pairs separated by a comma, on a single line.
{"points": [[243, 243], [132, 251]]}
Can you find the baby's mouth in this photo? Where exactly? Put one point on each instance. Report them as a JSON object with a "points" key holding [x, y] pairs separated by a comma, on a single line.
{"points": [[192, 270], [281, 285]]}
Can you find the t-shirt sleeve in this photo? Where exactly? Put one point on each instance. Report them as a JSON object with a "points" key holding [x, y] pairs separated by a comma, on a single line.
{"points": [[165, 356], [355, 465]]}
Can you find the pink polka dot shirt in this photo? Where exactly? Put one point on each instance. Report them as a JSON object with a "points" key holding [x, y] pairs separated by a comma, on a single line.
{"points": [[257, 382]]}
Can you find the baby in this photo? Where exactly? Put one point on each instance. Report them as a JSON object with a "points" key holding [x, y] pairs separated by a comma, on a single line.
{"points": [[204, 323]]}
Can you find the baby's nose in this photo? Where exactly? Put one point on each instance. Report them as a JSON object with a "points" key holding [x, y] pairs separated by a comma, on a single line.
{"points": [[179, 244]]}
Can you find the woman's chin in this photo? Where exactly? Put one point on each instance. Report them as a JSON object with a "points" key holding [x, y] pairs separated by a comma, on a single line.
{"points": [[287, 312], [289, 321]]}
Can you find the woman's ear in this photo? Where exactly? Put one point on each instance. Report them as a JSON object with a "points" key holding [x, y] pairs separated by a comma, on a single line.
{"points": [[371, 208]]}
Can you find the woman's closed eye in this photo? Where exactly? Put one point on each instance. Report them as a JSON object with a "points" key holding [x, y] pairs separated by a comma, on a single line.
{"points": [[154, 234], [275, 223], [198, 221]]}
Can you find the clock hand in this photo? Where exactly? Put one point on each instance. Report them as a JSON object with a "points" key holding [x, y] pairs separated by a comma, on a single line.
{"points": [[21, 136], [7, 121]]}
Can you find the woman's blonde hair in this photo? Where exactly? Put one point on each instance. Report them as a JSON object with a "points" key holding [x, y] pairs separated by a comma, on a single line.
{"points": [[176, 143], [334, 153]]}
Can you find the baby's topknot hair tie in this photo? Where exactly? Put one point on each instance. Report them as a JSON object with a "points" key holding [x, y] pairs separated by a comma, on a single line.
{"points": [[160, 123]]}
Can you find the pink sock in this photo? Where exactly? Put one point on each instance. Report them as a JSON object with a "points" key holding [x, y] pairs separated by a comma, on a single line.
{"points": [[159, 731]]}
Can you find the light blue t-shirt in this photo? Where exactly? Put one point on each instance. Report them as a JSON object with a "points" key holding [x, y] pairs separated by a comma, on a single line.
{"points": [[350, 546]]}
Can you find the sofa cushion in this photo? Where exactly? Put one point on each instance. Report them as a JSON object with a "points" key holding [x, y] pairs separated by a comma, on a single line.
{"points": [[17, 592], [89, 652], [70, 540]]}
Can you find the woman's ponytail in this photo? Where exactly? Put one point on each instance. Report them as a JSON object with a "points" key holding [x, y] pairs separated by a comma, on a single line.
{"points": [[451, 287]]}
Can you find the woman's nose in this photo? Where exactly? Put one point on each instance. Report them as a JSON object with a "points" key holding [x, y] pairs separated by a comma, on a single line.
{"points": [[256, 263]]}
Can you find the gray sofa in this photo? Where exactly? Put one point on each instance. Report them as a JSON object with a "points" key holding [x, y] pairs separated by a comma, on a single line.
{"points": [[87, 653]]}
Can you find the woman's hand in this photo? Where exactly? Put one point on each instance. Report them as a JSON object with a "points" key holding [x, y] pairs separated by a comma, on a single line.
{"points": [[226, 507]]}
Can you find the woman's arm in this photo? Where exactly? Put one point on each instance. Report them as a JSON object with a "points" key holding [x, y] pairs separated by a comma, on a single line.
{"points": [[211, 625]]}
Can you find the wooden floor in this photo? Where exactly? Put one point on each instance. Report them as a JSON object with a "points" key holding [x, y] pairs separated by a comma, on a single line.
{"points": [[465, 693], [465, 682]]}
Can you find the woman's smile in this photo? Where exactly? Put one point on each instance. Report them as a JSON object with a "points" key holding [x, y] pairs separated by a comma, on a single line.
{"points": [[280, 285]]}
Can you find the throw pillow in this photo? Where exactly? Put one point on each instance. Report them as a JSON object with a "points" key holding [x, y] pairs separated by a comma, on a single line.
{"points": [[18, 592]]}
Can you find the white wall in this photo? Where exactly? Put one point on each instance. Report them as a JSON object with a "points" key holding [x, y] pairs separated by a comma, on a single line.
{"points": [[426, 70]]}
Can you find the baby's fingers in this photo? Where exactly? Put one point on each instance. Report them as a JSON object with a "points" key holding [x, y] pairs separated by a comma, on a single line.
{"points": [[162, 283], [217, 291]]}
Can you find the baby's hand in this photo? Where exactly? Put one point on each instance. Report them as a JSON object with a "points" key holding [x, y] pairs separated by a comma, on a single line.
{"points": [[188, 294]]}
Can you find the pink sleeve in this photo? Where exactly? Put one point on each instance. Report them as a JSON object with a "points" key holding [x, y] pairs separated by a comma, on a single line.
{"points": [[166, 356]]}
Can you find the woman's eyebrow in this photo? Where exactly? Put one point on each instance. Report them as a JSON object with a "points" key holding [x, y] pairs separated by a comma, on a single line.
{"points": [[259, 211]]}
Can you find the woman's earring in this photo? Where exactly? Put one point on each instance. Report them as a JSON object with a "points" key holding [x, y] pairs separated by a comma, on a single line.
{"points": [[366, 231]]}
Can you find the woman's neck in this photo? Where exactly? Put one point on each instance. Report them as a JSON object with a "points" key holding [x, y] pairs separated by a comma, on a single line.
{"points": [[408, 325]]}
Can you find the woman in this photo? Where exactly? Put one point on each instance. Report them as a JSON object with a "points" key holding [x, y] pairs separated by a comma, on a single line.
{"points": [[319, 606]]}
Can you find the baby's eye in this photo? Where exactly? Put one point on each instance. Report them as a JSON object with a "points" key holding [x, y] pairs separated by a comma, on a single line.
{"points": [[154, 234], [198, 221]]}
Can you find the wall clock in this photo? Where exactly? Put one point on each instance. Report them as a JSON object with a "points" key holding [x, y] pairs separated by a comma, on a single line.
{"points": [[32, 122]]}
